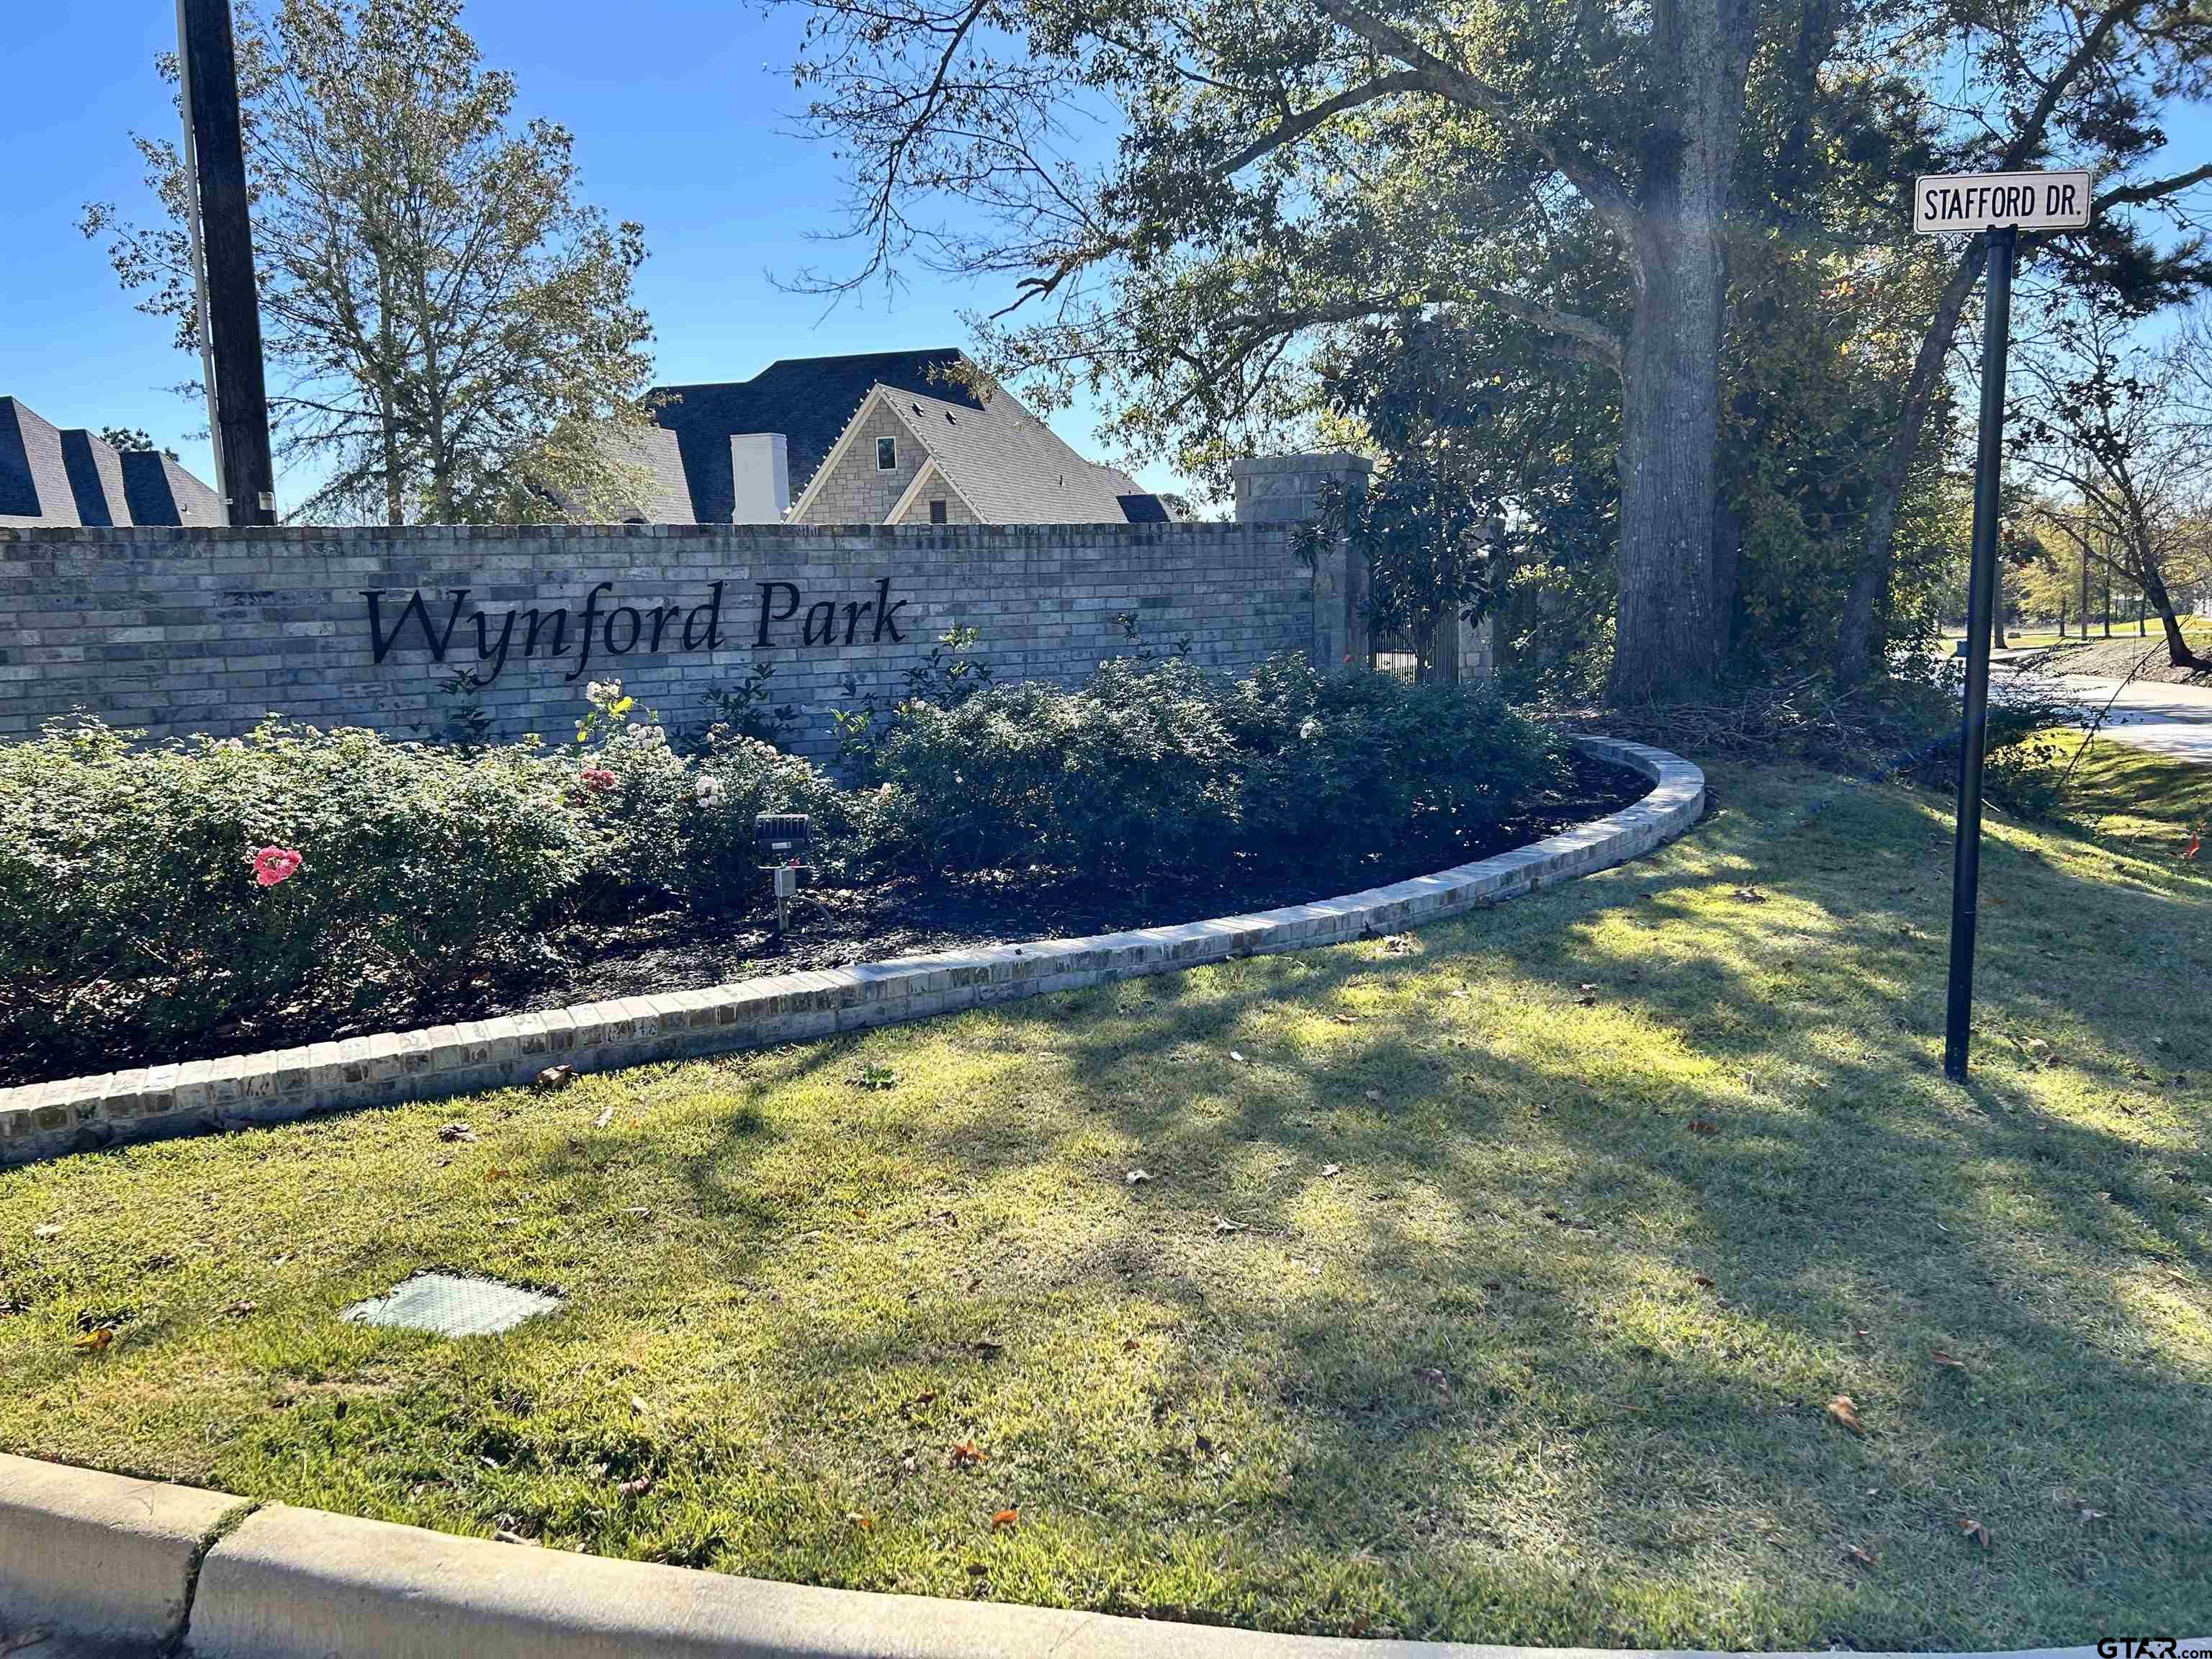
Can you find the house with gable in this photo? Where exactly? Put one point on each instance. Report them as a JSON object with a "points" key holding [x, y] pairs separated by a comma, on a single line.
{"points": [[899, 437], [51, 475]]}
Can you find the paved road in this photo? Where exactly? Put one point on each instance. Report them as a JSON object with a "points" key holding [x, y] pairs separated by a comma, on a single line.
{"points": [[2172, 719]]}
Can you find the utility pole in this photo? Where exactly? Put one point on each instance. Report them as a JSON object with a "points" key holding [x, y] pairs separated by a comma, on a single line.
{"points": [[229, 302]]}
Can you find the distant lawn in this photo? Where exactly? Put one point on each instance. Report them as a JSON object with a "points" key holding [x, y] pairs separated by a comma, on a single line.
{"points": [[1499, 1291], [2124, 654]]}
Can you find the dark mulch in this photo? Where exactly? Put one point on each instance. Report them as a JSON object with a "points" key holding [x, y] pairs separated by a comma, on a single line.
{"points": [[676, 949]]}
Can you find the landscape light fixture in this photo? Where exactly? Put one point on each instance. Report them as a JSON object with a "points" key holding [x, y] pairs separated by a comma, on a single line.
{"points": [[784, 839]]}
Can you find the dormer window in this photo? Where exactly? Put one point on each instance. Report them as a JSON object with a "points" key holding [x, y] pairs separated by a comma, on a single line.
{"points": [[886, 454]]}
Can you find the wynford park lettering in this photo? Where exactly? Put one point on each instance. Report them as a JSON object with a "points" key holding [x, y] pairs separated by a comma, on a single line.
{"points": [[624, 630]]}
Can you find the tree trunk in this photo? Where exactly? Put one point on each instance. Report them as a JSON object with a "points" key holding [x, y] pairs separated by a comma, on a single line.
{"points": [[1665, 635], [2178, 652], [1855, 629]]}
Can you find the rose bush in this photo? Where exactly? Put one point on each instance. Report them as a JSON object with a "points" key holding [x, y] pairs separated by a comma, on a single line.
{"points": [[150, 893]]}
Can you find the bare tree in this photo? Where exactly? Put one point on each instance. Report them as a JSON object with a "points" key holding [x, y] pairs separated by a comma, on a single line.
{"points": [[2105, 427], [2053, 83]]}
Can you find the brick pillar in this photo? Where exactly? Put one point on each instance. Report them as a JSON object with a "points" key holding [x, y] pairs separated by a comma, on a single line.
{"points": [[1287, 489]]}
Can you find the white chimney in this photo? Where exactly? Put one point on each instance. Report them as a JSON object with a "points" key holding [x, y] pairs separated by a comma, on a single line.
{"points": [[760, 471]]}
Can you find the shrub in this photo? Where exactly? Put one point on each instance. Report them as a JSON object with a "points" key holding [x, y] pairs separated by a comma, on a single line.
{"points": [[1155, 767], [129, 906], [1133, 773], [127, 895], [1356, 762]]}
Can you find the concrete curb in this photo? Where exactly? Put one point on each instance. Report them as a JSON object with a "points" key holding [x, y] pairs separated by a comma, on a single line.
{"points": [[293, 1584], [103, 1557], [41, 1120]]}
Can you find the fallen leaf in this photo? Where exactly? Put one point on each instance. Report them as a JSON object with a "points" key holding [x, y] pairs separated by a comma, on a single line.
{"points": [[1700, 1126], [1129, 1345], [1942, 1359], [494, 1174], [919, 1400], [1136, 1176], [1976, 1531], [94, 1340], [1004, 1518], [987, 1348], [1853, 1553], [553, 1078], [1845, 1413], [450, 1132], [967, 1455], [1701, 1282], [637, 1488], [976, 1569], [863, 1522]]}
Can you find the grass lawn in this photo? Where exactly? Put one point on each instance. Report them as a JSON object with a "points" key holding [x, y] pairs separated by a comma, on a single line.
{"points": [[1492, 1282]]}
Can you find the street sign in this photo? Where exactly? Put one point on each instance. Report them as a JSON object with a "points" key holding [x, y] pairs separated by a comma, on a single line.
{"points": [[2003, 204], [1954, 202]]}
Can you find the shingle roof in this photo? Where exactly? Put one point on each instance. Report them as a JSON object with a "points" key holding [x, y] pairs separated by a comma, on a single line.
{"points": [[1010, 467], [808, 399], [50, 475]]}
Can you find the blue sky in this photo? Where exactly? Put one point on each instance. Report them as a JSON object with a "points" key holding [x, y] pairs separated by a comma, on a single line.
{"points": [[681, 110]]}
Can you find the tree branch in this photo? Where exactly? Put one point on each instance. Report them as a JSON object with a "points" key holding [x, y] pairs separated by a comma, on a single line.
{"points": [[1297, 126], [1605, 193]]}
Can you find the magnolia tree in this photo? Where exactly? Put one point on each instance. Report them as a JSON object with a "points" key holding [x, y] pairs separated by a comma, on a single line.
{"points": [[452, 333]]}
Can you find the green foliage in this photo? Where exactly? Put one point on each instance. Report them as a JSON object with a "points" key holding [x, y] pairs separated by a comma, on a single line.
{"points": [[1160, 769], [1134, 774], [948, 676], [459, 334], [129, 909], [1341, 765], [744, 707], [127, 897]]}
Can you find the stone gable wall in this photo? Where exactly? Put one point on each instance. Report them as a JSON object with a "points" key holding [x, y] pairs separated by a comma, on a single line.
{"points": [[855, 492]]}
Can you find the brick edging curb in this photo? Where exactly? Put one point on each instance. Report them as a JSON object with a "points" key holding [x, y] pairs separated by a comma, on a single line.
{"points": [[298, 1584], [41, 1120]]}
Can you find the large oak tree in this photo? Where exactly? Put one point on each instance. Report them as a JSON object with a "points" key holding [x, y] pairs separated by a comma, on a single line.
{"points": [[1282, 169]]}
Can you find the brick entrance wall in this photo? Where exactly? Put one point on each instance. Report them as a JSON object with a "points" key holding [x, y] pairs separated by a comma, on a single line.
{"points": [[181, 631]]}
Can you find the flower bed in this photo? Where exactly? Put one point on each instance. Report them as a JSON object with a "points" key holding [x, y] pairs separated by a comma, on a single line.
{"points": [[205, 896]]}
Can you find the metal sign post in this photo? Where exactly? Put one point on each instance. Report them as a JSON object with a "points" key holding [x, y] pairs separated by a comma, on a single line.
{"points": [[2000, 204]]}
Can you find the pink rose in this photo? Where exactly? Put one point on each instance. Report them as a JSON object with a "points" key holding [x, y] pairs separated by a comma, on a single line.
{"points": [[274, 863], [597, 777]]}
